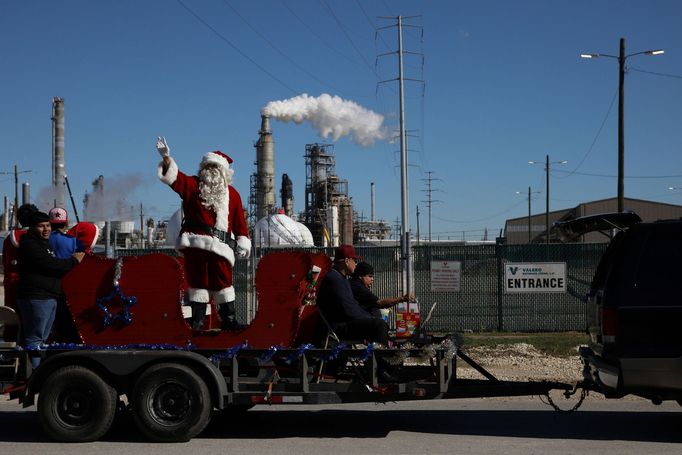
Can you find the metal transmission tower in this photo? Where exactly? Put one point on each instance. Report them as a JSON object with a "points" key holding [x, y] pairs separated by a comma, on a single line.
{"points": [[429, 193], [406, 254]]}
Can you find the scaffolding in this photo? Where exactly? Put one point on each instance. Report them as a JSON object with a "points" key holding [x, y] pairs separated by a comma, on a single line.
{"points": [[328, 209]]}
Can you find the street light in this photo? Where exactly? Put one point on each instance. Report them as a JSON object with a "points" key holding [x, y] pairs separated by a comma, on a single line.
{"points": [[621, 79], [547, 163], [529, 212]]}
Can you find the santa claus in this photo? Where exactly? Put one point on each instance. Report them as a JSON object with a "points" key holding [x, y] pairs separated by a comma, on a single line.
{"points": [[213, 231]]}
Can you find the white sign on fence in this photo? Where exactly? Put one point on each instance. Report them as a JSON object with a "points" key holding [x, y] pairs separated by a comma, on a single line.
{"points": [[445, 276], [536, 277]]}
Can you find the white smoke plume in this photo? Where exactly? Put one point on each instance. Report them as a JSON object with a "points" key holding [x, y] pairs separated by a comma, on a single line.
{"points": [[108, 198], [330, 116]]}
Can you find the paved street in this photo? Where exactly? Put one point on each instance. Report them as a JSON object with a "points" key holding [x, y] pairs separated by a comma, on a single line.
{"points": [[470, 426]]}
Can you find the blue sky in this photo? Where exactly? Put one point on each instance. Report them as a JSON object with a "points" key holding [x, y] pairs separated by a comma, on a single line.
{"points": [[503, 84]]}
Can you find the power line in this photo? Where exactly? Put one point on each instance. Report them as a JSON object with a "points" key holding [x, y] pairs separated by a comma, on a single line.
{"points": [[233, 46], [675, 76], [318, 36], [627, 176], [343, 29], [280, 52], [482, 219], [594, 141]]}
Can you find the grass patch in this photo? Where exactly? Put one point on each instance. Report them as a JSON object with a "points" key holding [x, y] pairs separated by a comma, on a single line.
{"points": [[559, 344]]}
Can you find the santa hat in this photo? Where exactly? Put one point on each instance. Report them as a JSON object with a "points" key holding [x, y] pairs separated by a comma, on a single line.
{"points": [[87, 233], [218, 158], [221, 160]]}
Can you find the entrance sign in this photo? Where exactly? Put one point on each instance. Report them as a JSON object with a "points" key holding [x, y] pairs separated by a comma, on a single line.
{"points": [[534, 278]]}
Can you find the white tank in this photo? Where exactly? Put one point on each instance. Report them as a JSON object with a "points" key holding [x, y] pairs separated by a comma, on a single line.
{"points": [[126, 227], [173, 227], [280, 230]]}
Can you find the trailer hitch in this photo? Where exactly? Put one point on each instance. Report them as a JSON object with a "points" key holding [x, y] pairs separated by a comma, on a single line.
{"points": [[584, 391]]}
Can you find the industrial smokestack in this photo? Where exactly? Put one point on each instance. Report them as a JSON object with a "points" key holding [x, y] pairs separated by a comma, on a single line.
{"points": [[58, 151], [265, 170], [25, 193], [372, 201], [287, 196]]}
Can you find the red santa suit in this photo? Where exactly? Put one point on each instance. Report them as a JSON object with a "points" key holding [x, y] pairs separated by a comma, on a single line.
{"points": [[10, 249], [208, 259]]}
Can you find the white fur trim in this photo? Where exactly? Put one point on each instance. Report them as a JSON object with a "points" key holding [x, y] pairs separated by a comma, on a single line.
{"points": [[223, 213], [198, 295], [97, 233], [205, 242], [214, 158], [224, 295], [13, 238], [244, 243], [171, 174]]}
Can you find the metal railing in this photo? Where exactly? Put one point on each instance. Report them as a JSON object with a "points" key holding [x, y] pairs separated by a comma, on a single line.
{"points": [[481, 303]]}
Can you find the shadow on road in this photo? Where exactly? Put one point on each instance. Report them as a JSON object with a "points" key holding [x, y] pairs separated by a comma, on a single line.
{"points": [[286, 423]]}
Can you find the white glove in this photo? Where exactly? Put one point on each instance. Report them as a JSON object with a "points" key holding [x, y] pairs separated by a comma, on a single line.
{"points": [[243, 247], [162, 147]]}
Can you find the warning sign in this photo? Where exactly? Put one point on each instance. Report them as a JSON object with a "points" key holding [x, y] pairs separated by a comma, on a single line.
{"points": [[445, 276], [536, 277]]}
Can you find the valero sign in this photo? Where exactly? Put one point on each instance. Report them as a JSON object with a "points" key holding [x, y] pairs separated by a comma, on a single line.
{"points": [[534, 278]]}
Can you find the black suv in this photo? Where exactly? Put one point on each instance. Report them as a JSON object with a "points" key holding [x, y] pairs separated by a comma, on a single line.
{"points": [[634, 308]]}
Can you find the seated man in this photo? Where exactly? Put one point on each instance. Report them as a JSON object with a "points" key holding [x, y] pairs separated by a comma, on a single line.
{"points": [[361, 283], [336, 302]]}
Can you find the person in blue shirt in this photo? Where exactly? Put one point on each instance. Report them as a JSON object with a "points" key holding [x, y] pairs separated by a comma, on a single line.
{"points": [[62, 244]]}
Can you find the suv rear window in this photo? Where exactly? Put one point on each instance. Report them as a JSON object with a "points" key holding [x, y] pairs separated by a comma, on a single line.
{"points": [[647, 269], [659, 269]]}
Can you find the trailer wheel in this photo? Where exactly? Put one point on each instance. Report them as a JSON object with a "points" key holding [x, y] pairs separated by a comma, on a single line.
{"points": [[171, 403], [76, 405]]}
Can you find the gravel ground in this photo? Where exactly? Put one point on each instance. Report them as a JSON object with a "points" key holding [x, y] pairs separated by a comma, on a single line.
{"points": [[521, 362]]}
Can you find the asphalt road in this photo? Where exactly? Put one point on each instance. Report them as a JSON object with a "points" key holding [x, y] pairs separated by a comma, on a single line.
{"points": [[467, 426]]}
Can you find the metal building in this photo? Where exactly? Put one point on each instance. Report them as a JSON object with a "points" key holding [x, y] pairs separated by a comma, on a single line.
{"points": [[516, 229]]}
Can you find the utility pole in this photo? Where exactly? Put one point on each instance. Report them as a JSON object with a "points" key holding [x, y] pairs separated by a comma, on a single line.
{"points": [[16, 189], [429, 193], [406, 255], [417, 225], [622, 57]]}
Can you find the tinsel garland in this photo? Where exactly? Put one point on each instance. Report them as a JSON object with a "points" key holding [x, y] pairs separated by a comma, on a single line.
{"points": [[124, 316]]}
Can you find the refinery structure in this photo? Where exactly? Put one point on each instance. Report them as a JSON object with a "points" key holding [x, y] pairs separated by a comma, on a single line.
{"points": [[327, 218]]}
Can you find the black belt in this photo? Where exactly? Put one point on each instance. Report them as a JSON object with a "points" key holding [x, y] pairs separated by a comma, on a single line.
{"points": [[223, 236]]}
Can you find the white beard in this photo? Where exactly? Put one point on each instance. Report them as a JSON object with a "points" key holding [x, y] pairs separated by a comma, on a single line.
{"points": [[212, 188]]}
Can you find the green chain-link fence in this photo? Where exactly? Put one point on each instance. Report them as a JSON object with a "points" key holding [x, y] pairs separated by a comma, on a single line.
{"points": [[480, 304]]}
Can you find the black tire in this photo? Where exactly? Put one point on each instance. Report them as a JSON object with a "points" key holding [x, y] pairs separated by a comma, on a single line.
{"points": [[76, 405], [171, 403]]}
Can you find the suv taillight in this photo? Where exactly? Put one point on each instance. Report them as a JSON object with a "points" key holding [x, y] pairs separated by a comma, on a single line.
{"points": [[609, 325]]}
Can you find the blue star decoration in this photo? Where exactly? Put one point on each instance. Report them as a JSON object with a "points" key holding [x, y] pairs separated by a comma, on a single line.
{"points": [[124, 315]]}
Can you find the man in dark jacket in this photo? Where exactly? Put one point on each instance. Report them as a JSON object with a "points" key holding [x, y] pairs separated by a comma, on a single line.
{"points": [[361, 282], [40, 274], [344, 313]]}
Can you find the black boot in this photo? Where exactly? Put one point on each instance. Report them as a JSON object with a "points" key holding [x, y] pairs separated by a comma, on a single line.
{"points": [[198, 315], [228, 317]]}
